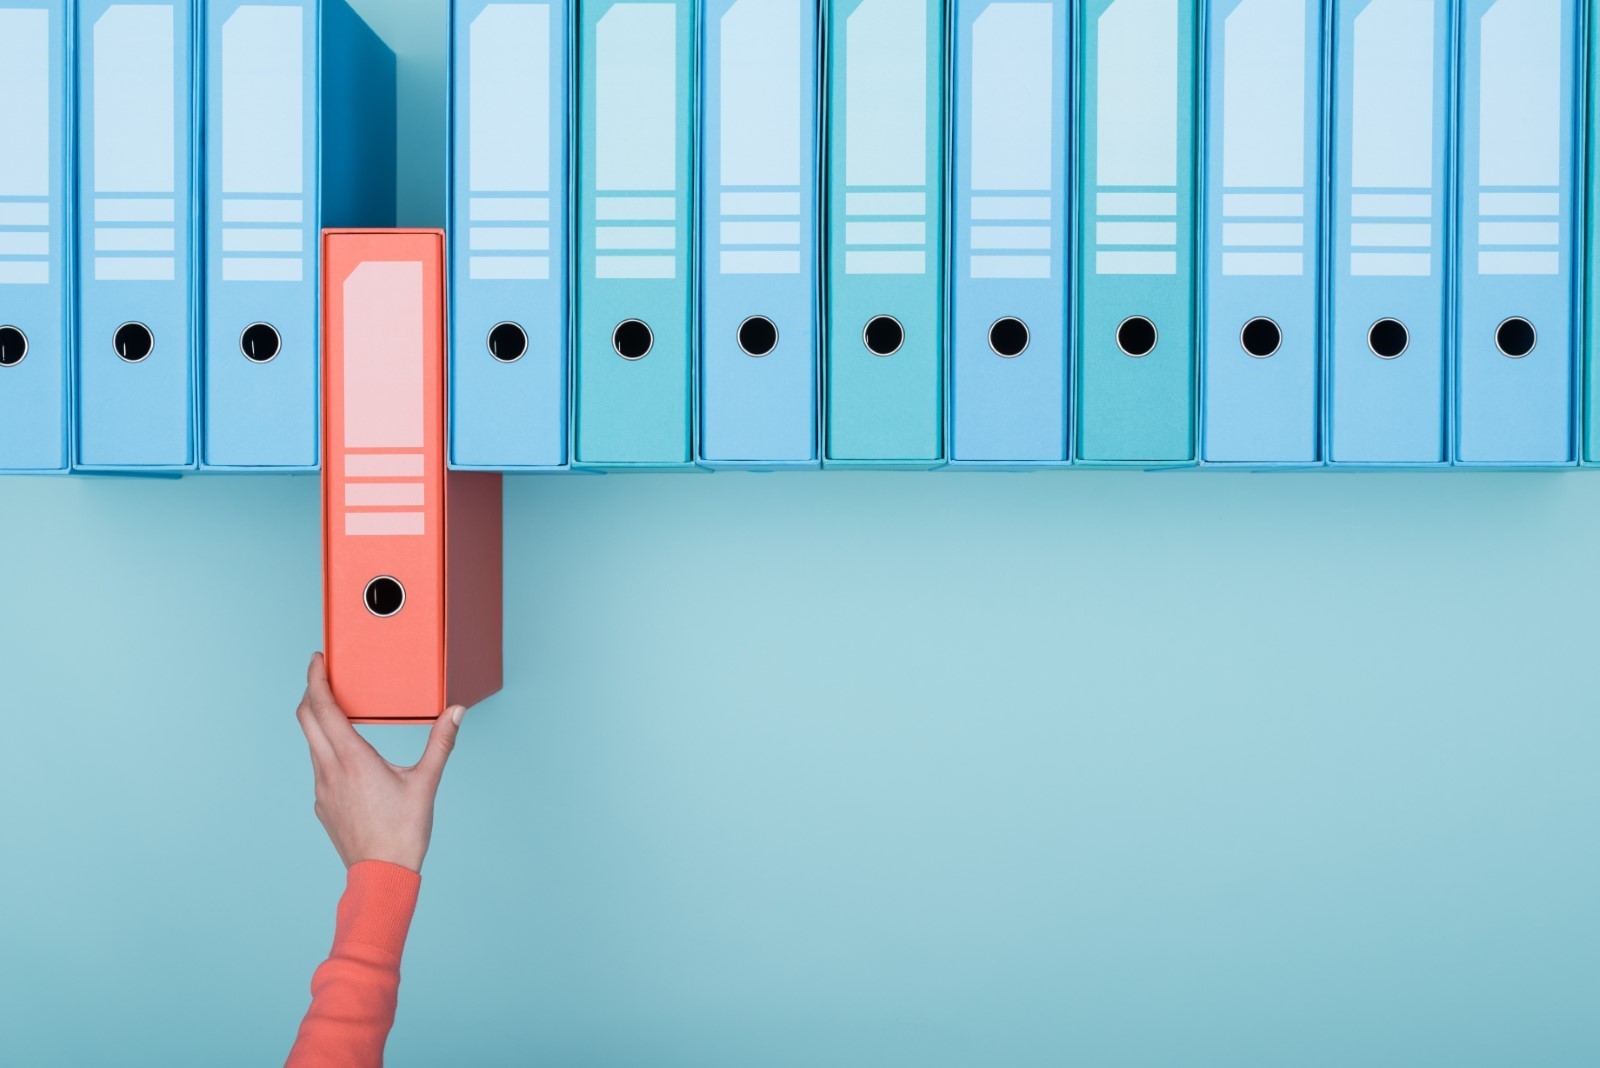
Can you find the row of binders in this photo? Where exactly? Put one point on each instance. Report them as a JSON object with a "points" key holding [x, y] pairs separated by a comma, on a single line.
{"points": [[777, 233]]}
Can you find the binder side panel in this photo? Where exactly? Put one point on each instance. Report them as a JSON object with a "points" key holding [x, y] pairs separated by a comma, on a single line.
{"points": [[1388, 273], [356, 120], [635, 233], [758, 232], [474, 556], [384, 476], [1262, 207], [1516, 169], [259, 384], [885, 236], [508, 212], [1136, 344], [35, 213], [1591, 292], [135, 354], [1008, 285]]}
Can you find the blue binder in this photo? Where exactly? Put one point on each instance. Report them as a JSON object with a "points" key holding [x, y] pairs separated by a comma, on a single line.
{"points": [[1387, 286], [1515, 309], [299, 135], [135, 358], [1260, 368], [635, 283], [1008, 288], [1591, 285], [35, 218], [884, 386], [1135, 365], [508, 234], [758, 234]]}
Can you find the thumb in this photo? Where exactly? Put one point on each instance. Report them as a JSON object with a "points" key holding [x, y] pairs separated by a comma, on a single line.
{"points": [[441, 741]]}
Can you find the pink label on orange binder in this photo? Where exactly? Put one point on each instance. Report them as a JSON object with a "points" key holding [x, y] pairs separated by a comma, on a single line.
{"points": [[383, 357]]}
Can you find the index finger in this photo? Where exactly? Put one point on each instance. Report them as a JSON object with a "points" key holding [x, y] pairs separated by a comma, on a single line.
{"points": [[336, 727]]}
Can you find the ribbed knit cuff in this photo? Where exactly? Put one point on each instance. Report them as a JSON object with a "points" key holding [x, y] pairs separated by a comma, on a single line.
{"points": [[376, 908]]}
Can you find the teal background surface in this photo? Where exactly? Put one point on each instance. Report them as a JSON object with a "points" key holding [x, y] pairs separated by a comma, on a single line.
{"points": [[1091, 768]]}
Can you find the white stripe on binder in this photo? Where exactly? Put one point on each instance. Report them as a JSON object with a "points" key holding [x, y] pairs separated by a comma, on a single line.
{"points": [[134, 269], [885, 203], [764, 203], [262, 240], [885, 233], [1519, 233], [1263, 205], [509, 209], [1136, 262], [383, 465], [382, 494], [1391, 235], [743, 262], [1136, 233], [509, 239], [1268, 235], [1017, 237], [131, 239], [759, 233], [131, 210], [253, 210], [635, 237], [262, 269], [662, 208], [1263, 263], [1547, 204], [885, 262], [1392, 205], [509, 268], [1010, 266], [24, 272], [25, 243], [25, 213], [1409, 264], [1519, 262], [988, 207], [1136, 204], [358, 523], [635, 266]]}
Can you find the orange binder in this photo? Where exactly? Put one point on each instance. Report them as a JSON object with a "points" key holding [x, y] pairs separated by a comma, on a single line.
{"points": [[411, 551]]}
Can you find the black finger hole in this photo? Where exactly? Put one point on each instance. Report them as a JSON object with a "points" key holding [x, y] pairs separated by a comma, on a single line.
{"points": [[1388, 338], [883, 335], [758, 335], [133, 341], [384, 596], [1260, 337], [632, 339], [1008, 337], [1515, 337], [1136, 335], [13, 346], [507, 342], [260, 342]]}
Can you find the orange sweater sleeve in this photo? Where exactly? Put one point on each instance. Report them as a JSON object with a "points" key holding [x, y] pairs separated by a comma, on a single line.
{"points": [[353, 991]]}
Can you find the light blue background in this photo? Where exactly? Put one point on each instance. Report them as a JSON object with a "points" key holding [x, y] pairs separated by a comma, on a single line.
{"points": [[859, 769]]}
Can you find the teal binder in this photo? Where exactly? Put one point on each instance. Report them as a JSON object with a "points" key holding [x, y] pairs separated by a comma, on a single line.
{"points": [[884, 386], [634, 234], [1135, 294]]}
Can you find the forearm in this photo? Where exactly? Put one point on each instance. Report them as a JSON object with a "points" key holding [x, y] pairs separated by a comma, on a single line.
{"points": [[353, 992]]}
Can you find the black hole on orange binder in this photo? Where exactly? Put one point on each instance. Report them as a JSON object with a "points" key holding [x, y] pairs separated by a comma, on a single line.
{"points": [[1136, 335], [384, 596], [1260, 337], [133, 341], [508, 342], [260, 343], [884, 335], [758, 335], [632, 339], [1515, 337], [13, 346], [1388, 338], [1008, 337]]}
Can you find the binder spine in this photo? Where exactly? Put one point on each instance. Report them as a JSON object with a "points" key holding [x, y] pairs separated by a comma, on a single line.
{"points": [[136, 329], [35, 237], [757, 238], [1515, 321], [509, 210], [886, 133], [1261, 218], [1135, 375], [1590, 293], [1009, 333], [633, 374]]}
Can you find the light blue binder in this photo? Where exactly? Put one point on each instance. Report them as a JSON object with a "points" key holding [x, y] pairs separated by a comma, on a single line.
{"points": [[884, 377], [1135, 364], [634, 390], [299, 135], [759, 315], [1388, 286], [508, 178], [1516, 302], [1008, 286], [1260, 365], [1591, 284], [35, 235], [136, 207]]}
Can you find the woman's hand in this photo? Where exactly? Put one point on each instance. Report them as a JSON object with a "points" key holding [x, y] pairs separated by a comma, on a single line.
{"points": [[371, 809]]}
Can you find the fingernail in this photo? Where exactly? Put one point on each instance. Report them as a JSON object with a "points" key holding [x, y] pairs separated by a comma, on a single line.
{"points": [[455, 715]]}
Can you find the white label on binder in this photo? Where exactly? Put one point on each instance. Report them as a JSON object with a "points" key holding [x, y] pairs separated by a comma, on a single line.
{"points": [[885, 122], [1136, 122], [1012, 150], [1519, 135], [508, 140], [25, 131], [760, 125], [263, 136], [135, 128], [636, 126]]}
